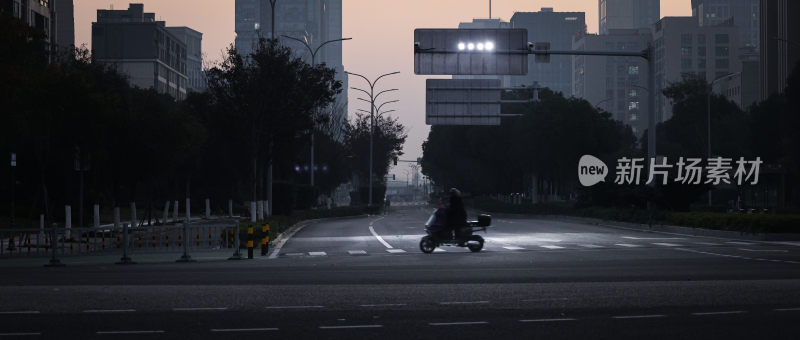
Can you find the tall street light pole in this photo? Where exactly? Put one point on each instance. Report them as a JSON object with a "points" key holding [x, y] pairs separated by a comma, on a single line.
{"points": [[372, 97], [314, 64]]}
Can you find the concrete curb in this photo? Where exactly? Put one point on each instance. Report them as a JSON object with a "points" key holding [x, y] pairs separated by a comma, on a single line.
{"points": [[670, 229]]}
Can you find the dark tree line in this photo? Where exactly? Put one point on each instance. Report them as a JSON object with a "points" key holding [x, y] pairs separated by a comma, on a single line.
{"points": [[64, 115]]}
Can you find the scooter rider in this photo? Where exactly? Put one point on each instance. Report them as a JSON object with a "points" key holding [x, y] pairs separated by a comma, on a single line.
{"points": [[456, 213]]}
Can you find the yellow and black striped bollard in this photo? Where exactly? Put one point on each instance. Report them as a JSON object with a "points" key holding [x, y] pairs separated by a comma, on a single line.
{"points": [[250, 241], [264, 239]]}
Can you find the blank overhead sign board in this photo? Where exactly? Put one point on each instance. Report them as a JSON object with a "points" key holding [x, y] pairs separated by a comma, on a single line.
{"points": [[462, 102], [495, 51]]}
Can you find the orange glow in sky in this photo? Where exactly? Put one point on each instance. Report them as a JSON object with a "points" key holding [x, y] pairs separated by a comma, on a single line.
{"points": [[382, 32]]}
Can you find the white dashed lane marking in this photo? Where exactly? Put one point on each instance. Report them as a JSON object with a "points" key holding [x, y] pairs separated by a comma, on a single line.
{"points": [[458, 323], [439, 250], [463, 302], [590, 246], [292, 307], [317, 253], [395, 251], [350, 327], [192, 309], [720, 313], [707, 243], [513, 248], [787, 309], [740, 243], [667, 244], [128, 332], [627, 245], [219, 330], [21, 334], [357, 252], [650, 316], [22, 312], [552, 247], [109, 310], [548, 320]]}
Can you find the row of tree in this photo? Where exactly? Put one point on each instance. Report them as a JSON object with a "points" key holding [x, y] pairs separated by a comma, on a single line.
{"points": [[67, 117], [540, 150]]}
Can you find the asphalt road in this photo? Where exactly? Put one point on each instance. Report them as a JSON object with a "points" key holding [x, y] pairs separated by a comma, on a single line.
{"points": [[366, 278]]}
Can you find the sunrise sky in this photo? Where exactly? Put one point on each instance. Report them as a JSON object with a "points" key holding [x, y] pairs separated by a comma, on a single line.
{"points": [[382, 32]]}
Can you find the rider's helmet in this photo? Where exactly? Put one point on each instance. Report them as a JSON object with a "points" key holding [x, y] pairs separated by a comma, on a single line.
{"points": [[455, 192]]}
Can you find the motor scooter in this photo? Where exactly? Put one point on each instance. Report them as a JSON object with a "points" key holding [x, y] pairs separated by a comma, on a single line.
{"points": [[439, 235]]}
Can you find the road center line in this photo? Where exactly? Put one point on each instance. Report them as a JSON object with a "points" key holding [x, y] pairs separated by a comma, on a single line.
{"points": [[109, 310], [639, 316], [350, 327], [243, 329], [462, 302], [720, 313], [458, 323], [129, 332], [547, 320], [292, 307], [380, 239], [198, 309]]}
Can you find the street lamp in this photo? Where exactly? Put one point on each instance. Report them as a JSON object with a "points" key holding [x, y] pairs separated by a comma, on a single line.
{"points": [[314, 64], [372, 97], [708, 123]]}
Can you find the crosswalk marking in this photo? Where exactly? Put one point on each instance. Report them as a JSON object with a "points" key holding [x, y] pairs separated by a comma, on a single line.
{"points": [[395, 251], [590, 246], [513, 248], [317, 253], [552, 247], [357, 252], [668, 244], [627, 245]]}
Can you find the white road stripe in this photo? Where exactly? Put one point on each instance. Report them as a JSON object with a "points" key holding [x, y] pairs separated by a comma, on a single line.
{"points": [[380, 239], [639, 316], [457, 323], [627, 245], [439, 250], [547, 320], [720, 313], [317, 253], [384, 305], [357, 252], [652, 238], [188, 309], [396, 251], [243, 329], [292, 307], [129, 332], [766, 250], [21, 334], [787, 309], [513, 248], [109, 310], [22, 312], [740, 243], [462, 302], [668, 244], [708, 243], [552, 247], [590, 246], [350, 327]]}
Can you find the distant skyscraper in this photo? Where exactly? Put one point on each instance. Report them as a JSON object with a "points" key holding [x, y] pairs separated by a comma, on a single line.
{"points": [[780, 44], [683, 50], [144, 49], [557, 28], [741, 13], [194, 57], [617, 85], [628, 14], [64, 22], [315, 20]]}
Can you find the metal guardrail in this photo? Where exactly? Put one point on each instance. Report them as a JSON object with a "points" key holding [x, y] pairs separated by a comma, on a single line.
{"points": [[105, 240]]}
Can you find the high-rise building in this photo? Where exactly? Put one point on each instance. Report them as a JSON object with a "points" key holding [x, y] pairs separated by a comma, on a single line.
{"points": [[780, 44], [683, 49], [627, 14], [557, 28], [64, 22], [194, 57], [316, 21], [144, 49], [617, 85], [744, 14]]}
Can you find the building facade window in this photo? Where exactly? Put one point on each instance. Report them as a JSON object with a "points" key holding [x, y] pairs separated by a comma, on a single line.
{"points": [[722, 63], [721, 38], [686, 63], [633, 70], [701, 51]]}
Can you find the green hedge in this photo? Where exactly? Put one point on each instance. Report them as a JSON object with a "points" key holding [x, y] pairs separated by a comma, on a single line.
{"points": [[751, 223]]}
